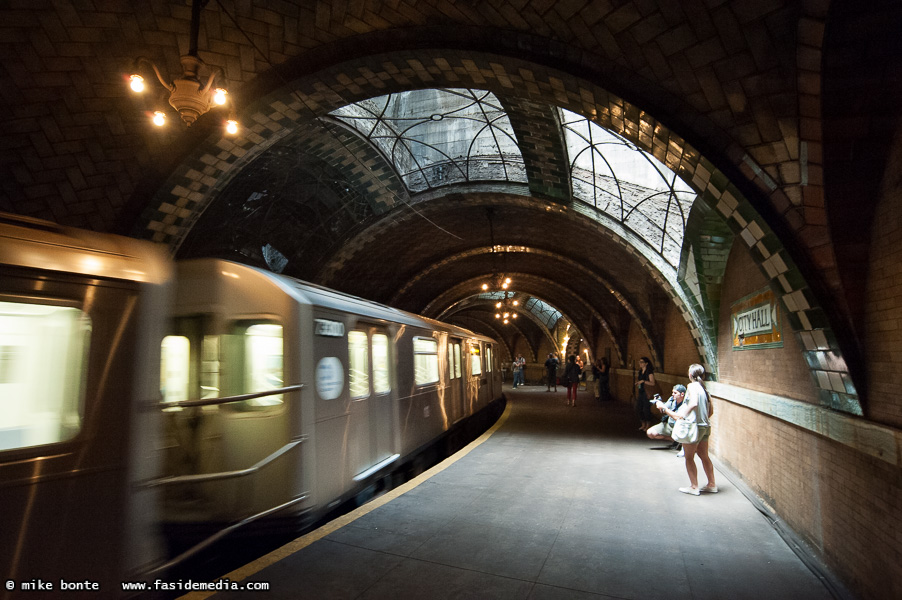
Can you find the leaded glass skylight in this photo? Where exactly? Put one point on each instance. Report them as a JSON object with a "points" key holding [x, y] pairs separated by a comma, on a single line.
{"points": [[437, 137], [628, 184], [543, 311]]}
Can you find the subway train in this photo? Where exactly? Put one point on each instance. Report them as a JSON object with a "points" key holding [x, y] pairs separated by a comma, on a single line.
{"points": [[140, 395]]}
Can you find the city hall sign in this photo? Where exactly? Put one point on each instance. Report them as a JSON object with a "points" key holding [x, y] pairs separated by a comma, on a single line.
{"points": [[756, 321]]}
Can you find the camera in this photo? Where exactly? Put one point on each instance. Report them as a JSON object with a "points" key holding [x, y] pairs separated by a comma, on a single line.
{"points": [[655, 398]]}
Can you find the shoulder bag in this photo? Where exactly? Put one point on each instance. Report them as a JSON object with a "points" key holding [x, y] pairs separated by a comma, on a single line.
{"points": [[685, 432]]}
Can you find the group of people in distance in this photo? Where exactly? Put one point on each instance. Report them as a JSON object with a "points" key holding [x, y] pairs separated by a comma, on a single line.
{"points": [[573, 372]]}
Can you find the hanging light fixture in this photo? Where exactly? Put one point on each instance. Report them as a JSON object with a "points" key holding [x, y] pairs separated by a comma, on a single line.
{"points": [[507, 308], [499, 281], [192, 95]]}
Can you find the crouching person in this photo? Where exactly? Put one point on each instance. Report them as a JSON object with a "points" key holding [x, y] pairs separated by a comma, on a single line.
{"points": [[662, 430]]}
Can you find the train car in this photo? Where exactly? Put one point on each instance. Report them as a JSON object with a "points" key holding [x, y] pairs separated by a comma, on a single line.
{"points": [[283, 394], [82, 316]]}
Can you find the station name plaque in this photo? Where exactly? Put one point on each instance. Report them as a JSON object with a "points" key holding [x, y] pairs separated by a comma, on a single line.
{"points": [[756, 321]]}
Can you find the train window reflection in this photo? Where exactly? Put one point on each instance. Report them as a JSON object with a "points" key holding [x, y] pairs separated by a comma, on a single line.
{"points": [[358, 363], [381, 381], [475, 360], [209, 367], [425, 360], [42, 373], [263, 362], [450, 361], [175, 368], [456, 360], [488, 359]]}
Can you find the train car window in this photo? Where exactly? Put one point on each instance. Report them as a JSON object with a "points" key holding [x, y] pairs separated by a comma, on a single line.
{"points": [[381, 381], [488, 359], [425, 360], [263, 363], [450, 361], [475, 360], [175, 368], [43, 350], [209, 367], [457, 361], [358, 364]]}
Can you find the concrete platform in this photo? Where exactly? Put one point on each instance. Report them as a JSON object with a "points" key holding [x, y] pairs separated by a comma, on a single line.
{"points": [[555, 503]]}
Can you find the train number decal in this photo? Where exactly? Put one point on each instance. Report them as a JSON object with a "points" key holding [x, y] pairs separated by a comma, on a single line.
{"points": [[330, 328]]}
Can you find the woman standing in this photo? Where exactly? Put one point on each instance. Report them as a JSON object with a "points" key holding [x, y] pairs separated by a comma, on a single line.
{"points": [[572, 373], [645, 380], [698, 406], [601, 372]]}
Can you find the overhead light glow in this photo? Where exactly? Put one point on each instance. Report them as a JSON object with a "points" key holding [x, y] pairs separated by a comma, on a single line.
{"points": [[232, 126], [136, 82], [219, 96], [159, 118]]}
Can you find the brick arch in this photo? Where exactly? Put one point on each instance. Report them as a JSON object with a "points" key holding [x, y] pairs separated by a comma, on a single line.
{"points": [[176, 206], [641, 319], [534, 285], [466, 303]]}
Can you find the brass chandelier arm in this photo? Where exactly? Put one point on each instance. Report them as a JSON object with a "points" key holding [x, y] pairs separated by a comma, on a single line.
{"points": [[144, 60]]}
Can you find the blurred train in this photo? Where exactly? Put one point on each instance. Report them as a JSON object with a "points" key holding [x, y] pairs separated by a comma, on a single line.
{"points": [[138, 393]]}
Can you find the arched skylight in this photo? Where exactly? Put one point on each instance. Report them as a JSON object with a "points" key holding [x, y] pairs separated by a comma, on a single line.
{"points": [[542, 311], [628, 184], [438, 137]]}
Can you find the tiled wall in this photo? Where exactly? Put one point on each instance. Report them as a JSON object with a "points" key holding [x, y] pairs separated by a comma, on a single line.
{"points": [[843, 502]]}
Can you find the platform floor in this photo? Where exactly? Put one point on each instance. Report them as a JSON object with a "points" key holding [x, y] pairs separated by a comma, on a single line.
{"points": [[557, 503]]}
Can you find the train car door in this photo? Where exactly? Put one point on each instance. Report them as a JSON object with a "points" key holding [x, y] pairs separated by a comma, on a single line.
{"points": [[457, 382], [359, 446], [372, 406], [382, 431], [332, 412]]}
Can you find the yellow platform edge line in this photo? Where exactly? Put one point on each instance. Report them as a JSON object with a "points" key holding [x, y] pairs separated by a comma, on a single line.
{"points": [[302, 542]]}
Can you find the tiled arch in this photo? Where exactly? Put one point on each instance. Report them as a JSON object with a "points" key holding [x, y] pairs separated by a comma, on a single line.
{"points": [[640, 319], [470, 302], [532, 285], [177, 205]]}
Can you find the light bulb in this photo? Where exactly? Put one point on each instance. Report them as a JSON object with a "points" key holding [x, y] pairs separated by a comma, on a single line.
{"points": [[506, 315], [219, 96], [485, 286], [232, 126], [506, 321], [136, 82], [159, 118], [515, 315], [516, 303], [497, 305], [507, 280], [504, 285], [497, 315]]}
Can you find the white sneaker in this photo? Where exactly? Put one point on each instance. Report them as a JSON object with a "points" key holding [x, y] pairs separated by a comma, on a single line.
{"points": [[690, 490], [681, 453]]}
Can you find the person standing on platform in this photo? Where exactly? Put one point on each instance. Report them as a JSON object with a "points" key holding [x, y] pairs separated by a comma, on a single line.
{"points": [[518, 366], [602, 379], [697, 402], [645, 383], [571, 374], [551, 371]]}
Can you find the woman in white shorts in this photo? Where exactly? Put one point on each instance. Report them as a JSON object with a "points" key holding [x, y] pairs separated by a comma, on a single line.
{"points": [[699, 402]]}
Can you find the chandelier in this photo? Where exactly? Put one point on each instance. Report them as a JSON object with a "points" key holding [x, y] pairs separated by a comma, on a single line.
{"points": [[507, 308], [192, 95], [499, 281]]}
